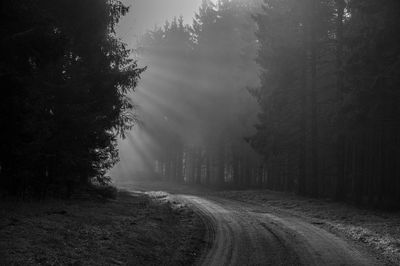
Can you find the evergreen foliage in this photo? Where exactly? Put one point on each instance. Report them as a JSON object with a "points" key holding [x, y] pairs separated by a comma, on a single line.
{"points": [[329, 121], [206, 111], [65, 79]]}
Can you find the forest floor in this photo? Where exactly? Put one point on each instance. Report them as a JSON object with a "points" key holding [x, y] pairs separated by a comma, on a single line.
{"points": [[134, 229], [377, 231]]}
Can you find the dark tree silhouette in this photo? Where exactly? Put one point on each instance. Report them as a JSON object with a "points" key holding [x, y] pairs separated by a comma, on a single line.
{"points": [[65, 79], [328, 94]]}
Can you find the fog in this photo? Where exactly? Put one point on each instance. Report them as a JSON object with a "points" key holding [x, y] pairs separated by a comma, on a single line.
{"points": [[274, 93], [193, 100], [144, 15], [285, 95]]}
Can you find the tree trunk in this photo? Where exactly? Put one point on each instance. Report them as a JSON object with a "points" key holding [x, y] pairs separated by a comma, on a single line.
{"points": [[179, 162], [221, 165], [198, 164], [303, 119], [340, 187], [208, 169], [313, 101]]}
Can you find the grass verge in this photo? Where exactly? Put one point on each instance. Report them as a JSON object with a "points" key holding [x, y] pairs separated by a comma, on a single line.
{"points": [[378, 230], [133, 229]]}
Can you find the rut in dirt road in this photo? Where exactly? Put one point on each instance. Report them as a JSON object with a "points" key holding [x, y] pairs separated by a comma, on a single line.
{"points": [[238, 235]]}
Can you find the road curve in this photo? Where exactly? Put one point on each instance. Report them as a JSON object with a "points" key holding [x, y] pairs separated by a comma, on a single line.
{"points": [[239, 234]]}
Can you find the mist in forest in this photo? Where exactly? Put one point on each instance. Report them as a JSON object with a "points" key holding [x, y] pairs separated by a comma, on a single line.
{"points": [[288, 95], [261, 118], [193, 99]]}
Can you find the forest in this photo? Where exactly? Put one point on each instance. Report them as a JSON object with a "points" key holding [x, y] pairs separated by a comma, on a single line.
{"points": [[232, 132], [65, 78], [288, 95]]}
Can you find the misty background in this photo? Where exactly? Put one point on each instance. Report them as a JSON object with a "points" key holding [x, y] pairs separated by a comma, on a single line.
{"points": [[194, 92], [253, 117], [283, 94]]}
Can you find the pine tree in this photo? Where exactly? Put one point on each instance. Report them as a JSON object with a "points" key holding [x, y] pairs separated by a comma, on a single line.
{"points": [[67, 82]]}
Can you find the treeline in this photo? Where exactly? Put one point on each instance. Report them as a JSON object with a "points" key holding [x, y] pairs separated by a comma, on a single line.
{"points": [[327, 89], [329, 125], [194, 104], [64, 77]]}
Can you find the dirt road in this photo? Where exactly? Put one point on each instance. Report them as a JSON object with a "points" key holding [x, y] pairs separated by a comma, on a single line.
{"points": [[244, 234], [247, 233]]}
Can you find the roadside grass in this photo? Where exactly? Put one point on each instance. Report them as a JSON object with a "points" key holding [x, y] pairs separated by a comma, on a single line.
{"points": [[378, 230], [133, 229]]}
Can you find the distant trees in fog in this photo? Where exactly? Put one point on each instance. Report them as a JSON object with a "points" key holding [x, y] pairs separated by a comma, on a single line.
{"points": [[197, 86], [329, 119], [292, 95], [64, 78]]}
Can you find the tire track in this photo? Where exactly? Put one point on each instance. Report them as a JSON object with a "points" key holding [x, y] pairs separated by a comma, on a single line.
{"points": [[237, 235]]}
